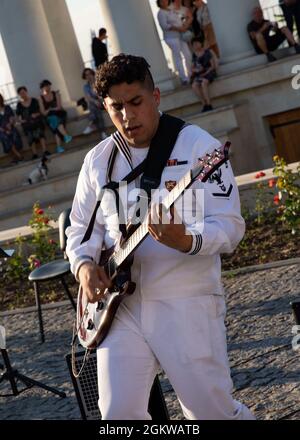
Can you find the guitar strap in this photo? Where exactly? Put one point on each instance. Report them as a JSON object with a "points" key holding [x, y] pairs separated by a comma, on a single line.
{"points": [[151, 167]]}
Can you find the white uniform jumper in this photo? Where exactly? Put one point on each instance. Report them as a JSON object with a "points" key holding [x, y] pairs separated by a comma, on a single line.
{"points": [[175, 317]]}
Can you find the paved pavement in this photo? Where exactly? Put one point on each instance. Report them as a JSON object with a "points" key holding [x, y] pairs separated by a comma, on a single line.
{"points": [[265, 368]]}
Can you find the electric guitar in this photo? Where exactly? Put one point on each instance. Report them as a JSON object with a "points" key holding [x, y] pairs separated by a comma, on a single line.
{"points": [[93, 321]]}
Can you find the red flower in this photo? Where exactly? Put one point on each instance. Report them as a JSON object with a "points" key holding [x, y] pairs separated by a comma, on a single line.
{"points": [[52, 241], [39, 211], [276, 199], [259, 175], [37, 263], [272, 183], [46, 220]]}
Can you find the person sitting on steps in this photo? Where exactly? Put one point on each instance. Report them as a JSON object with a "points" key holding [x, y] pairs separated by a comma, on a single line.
{"points": [[31, 119], [9, 135], [203, 72], [259, 32], [94, 104], [56, 116]]}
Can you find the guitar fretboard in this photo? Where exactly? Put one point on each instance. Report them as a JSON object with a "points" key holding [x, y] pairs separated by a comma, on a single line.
{"points": [[141, 232], [206, 166]]}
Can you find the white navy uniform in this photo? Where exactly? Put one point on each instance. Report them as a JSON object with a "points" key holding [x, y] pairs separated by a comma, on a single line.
{"points": [[175, 318]]}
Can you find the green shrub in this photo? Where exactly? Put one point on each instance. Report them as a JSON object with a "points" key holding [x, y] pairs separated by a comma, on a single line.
{"points": [[40, 248]]}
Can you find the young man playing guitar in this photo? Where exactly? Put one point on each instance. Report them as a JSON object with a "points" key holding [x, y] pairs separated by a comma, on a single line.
{"points": [[175, 317]]}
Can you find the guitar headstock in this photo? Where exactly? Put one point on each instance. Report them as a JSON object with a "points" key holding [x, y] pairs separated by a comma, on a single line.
{"points": [[210, 163]]}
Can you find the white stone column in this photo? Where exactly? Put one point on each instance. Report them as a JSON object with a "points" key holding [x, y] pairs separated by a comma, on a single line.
{"points": [[66, 45], [131, 29], [230, 19], [29, 46]]}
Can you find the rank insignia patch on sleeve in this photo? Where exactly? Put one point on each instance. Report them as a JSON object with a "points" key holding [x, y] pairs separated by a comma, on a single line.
{"points": [[221, 185]]}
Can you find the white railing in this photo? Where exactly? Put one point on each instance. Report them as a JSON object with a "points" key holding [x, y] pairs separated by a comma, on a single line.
{"points": [[9, 93], [89, 64], [274, 13]]}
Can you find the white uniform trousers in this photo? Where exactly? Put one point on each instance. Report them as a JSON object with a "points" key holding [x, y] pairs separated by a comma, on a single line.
{"points": [[182, 57], [198, 370]]}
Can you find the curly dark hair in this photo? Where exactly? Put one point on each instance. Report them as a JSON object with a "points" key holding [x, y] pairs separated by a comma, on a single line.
{"points": [[123, 68]]}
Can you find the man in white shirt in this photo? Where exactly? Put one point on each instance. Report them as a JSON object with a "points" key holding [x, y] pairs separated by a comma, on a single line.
{"points": [[175, 317]]}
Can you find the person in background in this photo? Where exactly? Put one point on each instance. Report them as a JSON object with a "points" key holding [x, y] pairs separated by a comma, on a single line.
{"points": [[94, 103], [185, 17], [195, 26], [99, 48], [30, 116], [203, 17], [259, 33], [9, 135], [56, 116], [172, 28], [203, 72], [291, 12]]}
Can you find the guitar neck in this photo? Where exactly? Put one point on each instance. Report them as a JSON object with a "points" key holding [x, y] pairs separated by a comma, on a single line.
{"points": [[142, 231], [206, 166]]}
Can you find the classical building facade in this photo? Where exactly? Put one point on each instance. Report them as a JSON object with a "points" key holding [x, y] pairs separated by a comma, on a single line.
{"points": [[256, 106]]}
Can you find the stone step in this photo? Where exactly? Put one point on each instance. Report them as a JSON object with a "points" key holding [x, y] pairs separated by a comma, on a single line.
{"points": [[12, 224], [223, 136], [10, 228], [219, 122], [82, 119], [75, 128], [14, 177], [222, 119], [181, 102], [17, 198], [16, 206], [58, 192]]}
